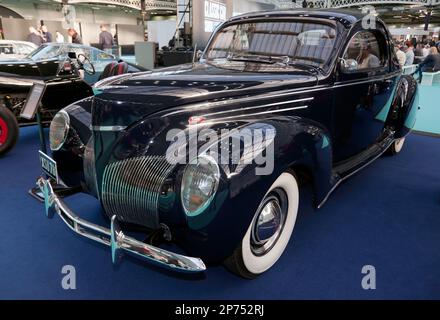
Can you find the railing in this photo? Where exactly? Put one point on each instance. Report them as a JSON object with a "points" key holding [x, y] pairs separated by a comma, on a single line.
{"points": [[409, 69], [134, 4]]}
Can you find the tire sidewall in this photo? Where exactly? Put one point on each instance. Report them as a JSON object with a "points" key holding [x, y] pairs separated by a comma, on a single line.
{"points": [[398, 145], [11, 122], [259, 264]]}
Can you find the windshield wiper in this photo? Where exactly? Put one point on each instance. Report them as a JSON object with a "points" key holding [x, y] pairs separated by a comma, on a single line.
{"points": [[307, 67], [252, 58], [285, 61]]}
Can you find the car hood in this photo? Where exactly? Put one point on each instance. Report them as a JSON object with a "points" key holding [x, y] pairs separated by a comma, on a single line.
{"points": [[122, 100], [29, 68]]}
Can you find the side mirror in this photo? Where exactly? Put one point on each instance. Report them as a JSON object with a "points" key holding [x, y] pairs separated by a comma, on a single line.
{"points": [[349, 65], [71, 55]]}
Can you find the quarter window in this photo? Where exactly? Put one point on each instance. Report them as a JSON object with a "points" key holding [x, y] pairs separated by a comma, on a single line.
{"points": [[364, 51]]}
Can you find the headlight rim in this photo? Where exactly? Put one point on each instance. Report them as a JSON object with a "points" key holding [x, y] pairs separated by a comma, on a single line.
{"points": [[208, 202], [66, 118]]}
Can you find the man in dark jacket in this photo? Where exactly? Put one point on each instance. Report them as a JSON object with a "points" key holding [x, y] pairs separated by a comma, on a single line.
{"points": [[76, 38], [105, 39], [34, 36], [47, 36]]}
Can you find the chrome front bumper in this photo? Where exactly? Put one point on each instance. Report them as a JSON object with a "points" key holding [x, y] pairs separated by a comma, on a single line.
{"points": [[114, 237]]}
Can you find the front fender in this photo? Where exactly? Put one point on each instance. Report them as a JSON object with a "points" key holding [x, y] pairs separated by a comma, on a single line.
{"points": [[298, 144]]}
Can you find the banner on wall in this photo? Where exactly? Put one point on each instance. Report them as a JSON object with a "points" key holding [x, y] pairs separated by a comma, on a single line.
{"points": [[215, 14]]}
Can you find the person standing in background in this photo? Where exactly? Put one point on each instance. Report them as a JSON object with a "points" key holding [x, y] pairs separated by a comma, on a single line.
{"points": [[426, 50], [409, 52], [47, 36], [59, 37], [34, 36], [418, 52], [76, 38], [106, 41], [401, 57]]}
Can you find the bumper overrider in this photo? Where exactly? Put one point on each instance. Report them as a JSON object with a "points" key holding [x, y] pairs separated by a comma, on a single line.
{"points": [[114, 237]]}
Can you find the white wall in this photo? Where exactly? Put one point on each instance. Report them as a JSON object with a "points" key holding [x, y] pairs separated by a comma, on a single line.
{"points": [[200, 36], [129, 34], [161, 31]]}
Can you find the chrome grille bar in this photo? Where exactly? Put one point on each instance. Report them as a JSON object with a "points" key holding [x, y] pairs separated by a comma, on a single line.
{"points": [[131, 189]]}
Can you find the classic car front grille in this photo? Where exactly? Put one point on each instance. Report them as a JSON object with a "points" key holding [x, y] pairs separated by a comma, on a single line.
{"points": [[131, 189]]}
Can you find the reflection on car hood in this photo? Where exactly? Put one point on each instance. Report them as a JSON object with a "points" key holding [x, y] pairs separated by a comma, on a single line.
{"points": [[144, 93]]}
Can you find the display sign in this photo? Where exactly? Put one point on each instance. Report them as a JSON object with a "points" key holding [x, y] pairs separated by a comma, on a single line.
{"points": [[215, 14], [33, 100]]}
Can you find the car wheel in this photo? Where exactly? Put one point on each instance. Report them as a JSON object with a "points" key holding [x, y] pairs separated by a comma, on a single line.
{"points": [[396, 146], [8, 130], [269, 231]]}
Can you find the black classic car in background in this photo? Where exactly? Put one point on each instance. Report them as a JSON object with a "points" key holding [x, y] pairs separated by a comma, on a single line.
{"points": [[58, 84], [48, 77], [328, 95]]}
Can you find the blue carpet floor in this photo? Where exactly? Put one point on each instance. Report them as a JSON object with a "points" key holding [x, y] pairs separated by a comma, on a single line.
{"points": [[387, 216]]}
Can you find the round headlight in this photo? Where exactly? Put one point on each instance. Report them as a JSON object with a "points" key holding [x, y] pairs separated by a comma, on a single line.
{"points": [[199, 185], [59, 129]]}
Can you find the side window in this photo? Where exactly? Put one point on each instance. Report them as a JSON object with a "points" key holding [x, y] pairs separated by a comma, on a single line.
{"points": [[363, 52], [6, 49], [79, 50]]}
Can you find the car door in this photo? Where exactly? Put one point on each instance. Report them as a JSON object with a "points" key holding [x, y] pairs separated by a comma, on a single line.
{"points": [[363, 92]]}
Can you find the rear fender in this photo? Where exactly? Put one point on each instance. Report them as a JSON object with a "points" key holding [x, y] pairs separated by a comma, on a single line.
{"points": [[403, 112]]}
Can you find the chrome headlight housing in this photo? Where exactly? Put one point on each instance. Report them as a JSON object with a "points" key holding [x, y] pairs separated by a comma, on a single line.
{"points": [[59, 130], [199, 185]]}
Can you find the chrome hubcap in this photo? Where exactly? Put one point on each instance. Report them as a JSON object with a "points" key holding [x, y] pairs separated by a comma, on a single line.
{"points": [[269, 222]]}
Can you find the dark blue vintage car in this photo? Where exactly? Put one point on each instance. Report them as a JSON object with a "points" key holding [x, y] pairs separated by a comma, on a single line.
{"points": [[282, 96]]}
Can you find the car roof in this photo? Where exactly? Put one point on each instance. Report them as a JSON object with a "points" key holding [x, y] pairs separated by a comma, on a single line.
{"points": [[345, 16], [17, 42]]}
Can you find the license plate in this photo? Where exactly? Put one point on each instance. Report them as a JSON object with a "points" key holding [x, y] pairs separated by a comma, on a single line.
{"points": [[49, 166]]}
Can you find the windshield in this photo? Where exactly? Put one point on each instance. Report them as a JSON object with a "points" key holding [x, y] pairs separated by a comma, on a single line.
{"points": [[294, 42], [45, 52]]}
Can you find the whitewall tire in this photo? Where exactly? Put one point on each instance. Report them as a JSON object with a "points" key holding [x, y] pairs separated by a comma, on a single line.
{"points": [[396, 146], [270, 230]]}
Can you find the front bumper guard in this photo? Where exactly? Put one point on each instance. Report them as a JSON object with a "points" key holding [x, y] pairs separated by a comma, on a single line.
{"points": [[115, 238]]}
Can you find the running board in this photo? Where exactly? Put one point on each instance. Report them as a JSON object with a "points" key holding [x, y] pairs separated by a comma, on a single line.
{"points": [[349, 167], [357, 162]]}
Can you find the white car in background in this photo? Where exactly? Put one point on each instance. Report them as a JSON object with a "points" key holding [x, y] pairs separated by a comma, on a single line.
{"points": [[13, 50]]}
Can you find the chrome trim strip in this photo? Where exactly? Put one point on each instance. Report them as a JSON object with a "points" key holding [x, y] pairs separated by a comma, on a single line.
{"points": [[258, 107], [261, 113], [114, 237], [281, 94], [243, 100], [109, 128]]}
